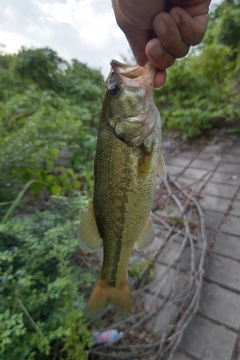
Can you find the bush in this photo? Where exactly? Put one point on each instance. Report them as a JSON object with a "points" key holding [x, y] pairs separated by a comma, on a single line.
{"points": [[43, 283]]}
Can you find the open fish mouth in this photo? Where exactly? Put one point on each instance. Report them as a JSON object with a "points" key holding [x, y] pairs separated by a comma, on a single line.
{"points": [[135, 75]]}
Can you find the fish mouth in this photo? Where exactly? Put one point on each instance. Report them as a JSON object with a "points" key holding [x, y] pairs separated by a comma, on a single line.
{"points": [[134, 76]]}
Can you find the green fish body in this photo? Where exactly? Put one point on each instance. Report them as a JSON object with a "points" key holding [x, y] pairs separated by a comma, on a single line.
{"points": [[125, 170]]}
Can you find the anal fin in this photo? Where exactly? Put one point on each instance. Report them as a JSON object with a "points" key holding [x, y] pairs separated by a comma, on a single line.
{"points": [[88, 235], [146, 237], [161, 168]]}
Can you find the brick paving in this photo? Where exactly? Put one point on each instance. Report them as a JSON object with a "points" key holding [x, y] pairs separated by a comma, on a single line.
{"points": [[214, 332]]}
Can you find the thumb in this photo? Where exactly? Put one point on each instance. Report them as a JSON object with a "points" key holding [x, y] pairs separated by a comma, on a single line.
{"points": [[138, 40]]}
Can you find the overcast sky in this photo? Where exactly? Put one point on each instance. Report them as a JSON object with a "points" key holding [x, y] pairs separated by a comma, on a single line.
{"points": [[81, 29]]}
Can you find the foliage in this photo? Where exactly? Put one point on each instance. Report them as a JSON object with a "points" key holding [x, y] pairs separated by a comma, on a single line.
{"points": [[202, 89], [47, 106], [42, 285]]}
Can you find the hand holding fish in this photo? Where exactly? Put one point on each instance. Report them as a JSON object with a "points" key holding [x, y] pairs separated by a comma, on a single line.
{"points": [[160, 31]]}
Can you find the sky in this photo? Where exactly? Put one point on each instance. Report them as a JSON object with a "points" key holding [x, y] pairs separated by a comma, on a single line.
{"points": [[82, 29]]}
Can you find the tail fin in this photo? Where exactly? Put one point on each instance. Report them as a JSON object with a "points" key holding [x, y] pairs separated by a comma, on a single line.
{"points": [[103, 295]]}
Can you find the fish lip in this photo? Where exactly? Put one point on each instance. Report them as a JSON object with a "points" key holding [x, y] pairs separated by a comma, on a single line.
{"points": [[134, 76]]}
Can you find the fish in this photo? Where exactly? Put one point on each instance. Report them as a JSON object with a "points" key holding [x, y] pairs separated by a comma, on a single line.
{"points": [[126, 164]]}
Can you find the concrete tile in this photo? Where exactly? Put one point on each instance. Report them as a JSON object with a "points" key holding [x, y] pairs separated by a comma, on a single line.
{"points": [[231, 169], [223, 271], [188, 154], [174, 280], [220, 305], [235, 150], [193, 184], [217, 149], [209, 156], [227, 178], [196, 174], [171, 252], [232, 159], [231, 225], [212, 219], [225, 191], [227, 245], [180, 356], [178, 161], [215, 203], [174, 170], [203, 165], [164, 319], [235, 210], [205, 340]]}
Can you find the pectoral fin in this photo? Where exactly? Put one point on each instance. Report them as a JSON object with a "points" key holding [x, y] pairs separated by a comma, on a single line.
{"points": [[146, 237], [161, 168], [88, 235]]}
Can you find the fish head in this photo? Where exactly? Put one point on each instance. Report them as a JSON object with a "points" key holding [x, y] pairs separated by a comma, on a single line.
{"points": [[129, 102]]}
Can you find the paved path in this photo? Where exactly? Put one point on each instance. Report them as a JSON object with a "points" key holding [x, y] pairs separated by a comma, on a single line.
{"points": [[214, 333]]}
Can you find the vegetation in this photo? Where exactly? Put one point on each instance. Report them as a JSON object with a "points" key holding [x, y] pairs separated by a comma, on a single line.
{"points": [[49, 112], [201, 90]]}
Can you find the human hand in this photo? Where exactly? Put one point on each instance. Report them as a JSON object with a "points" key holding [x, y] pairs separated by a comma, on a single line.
{"points": [[160, 31]]}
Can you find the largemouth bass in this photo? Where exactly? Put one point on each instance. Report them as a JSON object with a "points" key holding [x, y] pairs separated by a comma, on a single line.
{"points": [[125, 169]]}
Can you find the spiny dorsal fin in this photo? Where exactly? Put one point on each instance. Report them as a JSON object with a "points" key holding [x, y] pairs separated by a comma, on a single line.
{"points": [[88, 235], [161, 168], [146, 237]]}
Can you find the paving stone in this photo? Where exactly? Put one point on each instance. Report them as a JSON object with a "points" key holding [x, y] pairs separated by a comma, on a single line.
{"points": [[178, 161], [235, 210], [226, 191], [205, 340], [238, 195], [163, 320], [212, 219], [223, 271], [216, 149], [174, 170], [235, 150], [220, 305], [171, 252], [207, 156], [215, 203], [192, 183], [234, 159], [203, 165], [219, 177], [231, 169], [179, 356], [196, 174], [227, 245], [189, 154], [231, 225], [174, 280]]}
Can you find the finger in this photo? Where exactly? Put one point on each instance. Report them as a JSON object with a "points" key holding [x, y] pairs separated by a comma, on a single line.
{"points": [[158, 56], [137, 41], [160, 78], [169, 36], [192, 29], [193, 7]]}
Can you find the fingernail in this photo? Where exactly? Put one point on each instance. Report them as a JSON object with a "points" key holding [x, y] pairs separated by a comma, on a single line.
{"points": [[161, 27], [156, 52], [175, 17]]}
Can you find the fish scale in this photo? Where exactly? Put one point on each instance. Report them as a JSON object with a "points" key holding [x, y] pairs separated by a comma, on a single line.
{"points": [[125, 171]]}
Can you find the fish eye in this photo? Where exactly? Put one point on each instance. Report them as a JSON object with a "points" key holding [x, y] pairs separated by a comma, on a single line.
{"points": [[114, 90]]}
